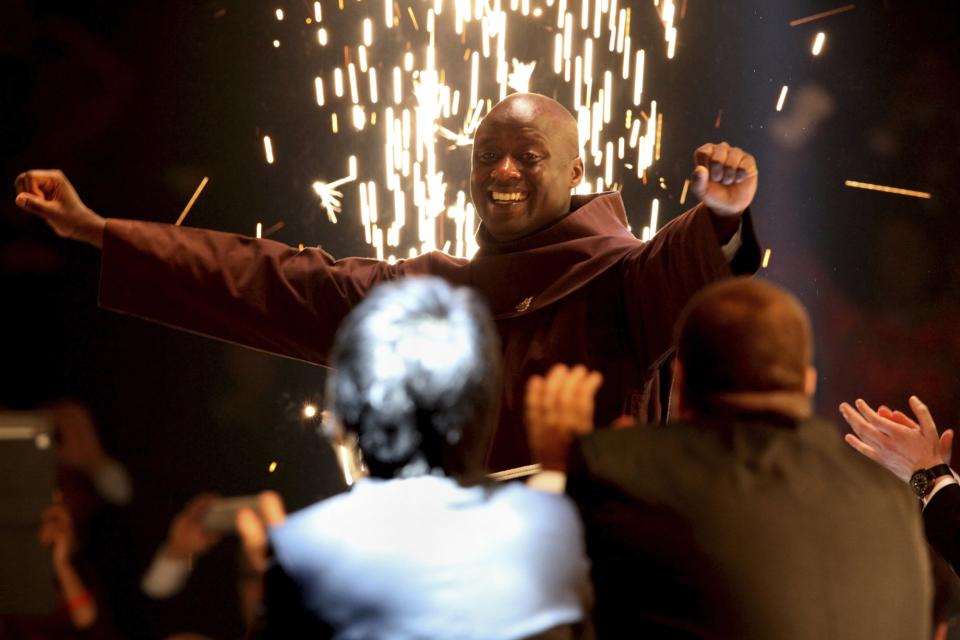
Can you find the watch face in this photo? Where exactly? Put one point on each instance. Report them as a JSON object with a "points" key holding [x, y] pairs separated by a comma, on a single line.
{"points": [[920, 483]]}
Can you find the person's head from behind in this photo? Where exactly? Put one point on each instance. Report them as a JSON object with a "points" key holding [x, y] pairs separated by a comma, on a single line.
{"points": [[744, 346], [416, 375], [526, 159]]}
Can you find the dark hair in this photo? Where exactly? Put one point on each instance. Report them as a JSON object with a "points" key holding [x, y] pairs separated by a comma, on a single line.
{"points": [[739, 335], [416, 375]]}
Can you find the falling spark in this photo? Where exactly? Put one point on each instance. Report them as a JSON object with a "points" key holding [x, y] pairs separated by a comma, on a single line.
{"points": [[276, 44], [716, 124], [318, 88], [268, 149], [654, 214], [322, 36], [818, 43], [317, 12], [279, 14], [818, 16], [766, 259], [272, 467], [259, 230], [193, 198], [783, 97], [367, 32], [878, 187], [683, 192], [309, 410]]}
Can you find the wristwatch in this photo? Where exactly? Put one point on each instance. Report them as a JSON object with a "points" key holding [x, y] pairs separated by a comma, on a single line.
{"points": [[922, 481]]}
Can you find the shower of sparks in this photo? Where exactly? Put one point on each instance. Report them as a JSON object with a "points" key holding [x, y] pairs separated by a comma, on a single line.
{"points": [[818, 43], [766, 259], [824, 14], [884, 189], [783, 98], [444, 64], [193, 198]]}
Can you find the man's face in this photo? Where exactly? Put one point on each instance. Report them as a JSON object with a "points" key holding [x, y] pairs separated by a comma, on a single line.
{"points": [[524, 165]]}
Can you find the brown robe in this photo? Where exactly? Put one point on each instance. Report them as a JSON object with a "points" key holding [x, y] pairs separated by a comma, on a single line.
{"points": [[583, 290]]}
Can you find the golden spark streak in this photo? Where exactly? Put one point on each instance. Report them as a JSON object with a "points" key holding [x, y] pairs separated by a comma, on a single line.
{"points": [[783, 97], [268, 149], [367, 31], [656, 154], [318, 86], [818, 43], [766, 259], [193, 198], [259, 230], [885, 189], [683, 192], [824, 14], [413, 19]]}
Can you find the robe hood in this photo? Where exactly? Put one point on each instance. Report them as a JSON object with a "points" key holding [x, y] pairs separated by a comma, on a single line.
{"points": [[524, 275]]}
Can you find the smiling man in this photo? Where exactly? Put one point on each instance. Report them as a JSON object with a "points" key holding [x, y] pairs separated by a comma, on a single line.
{"points": [[564, 277]]}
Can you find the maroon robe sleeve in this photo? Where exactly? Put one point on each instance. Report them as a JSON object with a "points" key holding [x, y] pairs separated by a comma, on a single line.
{"points": [[257, 293], [662, 275]]}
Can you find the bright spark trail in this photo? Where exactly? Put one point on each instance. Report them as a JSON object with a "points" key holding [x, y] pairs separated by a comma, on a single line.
{"points": [[403, 87]]}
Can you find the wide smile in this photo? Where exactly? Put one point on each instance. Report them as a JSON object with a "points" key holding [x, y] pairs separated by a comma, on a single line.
{"points": [[507, 197]]}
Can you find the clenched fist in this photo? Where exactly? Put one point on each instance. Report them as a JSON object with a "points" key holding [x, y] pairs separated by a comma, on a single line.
{"points": [[48, 194]]}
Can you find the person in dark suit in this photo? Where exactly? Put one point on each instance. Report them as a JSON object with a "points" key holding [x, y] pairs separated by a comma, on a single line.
{"points": [[747, 517]]}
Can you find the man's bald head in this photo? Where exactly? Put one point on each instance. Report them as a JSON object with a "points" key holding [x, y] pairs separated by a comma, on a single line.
{"points": [[745, 338], [525, 163], [540, 107]]}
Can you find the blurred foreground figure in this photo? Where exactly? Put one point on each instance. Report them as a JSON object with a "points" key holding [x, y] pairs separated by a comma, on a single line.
{"points": [[565, 278], [747, 519], [427, 547]]}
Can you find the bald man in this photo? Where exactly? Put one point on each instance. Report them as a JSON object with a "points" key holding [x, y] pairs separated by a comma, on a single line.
{"points": [[564, 277]]}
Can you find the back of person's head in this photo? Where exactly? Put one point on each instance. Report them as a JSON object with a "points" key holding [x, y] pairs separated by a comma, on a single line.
{"points": [[745, 345], [416, 375]]}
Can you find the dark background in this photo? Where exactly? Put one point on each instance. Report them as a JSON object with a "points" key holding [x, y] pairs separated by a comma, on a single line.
{"points": [[137, 101]]}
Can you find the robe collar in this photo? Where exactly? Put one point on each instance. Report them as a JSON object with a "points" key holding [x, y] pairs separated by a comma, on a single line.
{"points": [[593, 214], [524, 275]]}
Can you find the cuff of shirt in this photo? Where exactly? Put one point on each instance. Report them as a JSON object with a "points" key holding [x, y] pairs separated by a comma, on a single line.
{"points": [[733, 245], [940, 484], [548, 481], [113, 483], [165, 577]]}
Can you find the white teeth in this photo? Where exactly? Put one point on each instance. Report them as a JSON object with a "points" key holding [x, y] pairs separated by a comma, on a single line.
{"points": [[508, 197]]}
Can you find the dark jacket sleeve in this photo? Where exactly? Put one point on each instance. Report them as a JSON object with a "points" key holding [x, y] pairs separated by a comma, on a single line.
{"points": [[257, 293], [941, 520], [662, 275]]}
